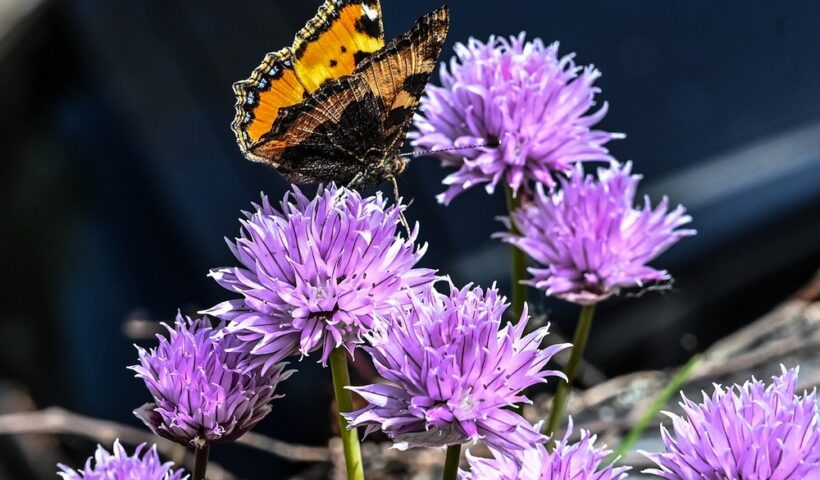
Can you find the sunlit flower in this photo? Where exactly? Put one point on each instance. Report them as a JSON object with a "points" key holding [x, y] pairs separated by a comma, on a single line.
{"points": [[749, 432], [144, 464], [454, 372], [316, 272], [535, 106], [581, 460], [590, 239], [203, 389]]}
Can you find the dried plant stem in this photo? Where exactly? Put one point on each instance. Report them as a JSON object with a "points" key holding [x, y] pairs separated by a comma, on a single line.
{"points": [[518, 268], [58, 420], [579, 343], [201, 461], [344, 401], [451, 462]]}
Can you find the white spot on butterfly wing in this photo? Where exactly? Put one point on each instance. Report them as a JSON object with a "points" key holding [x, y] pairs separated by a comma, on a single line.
{"points": [[371, 12]]}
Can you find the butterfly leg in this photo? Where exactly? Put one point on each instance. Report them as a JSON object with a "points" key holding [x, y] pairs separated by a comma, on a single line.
{"points": [[365, 179], [404, 223], [362, 178], [397, 199], [356, 182]]}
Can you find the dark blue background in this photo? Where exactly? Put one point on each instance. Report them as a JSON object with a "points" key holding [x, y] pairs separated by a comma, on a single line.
{"points": [[120, 175]]}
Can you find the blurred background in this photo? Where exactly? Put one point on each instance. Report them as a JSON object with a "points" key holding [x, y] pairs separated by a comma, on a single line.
{"points": [[119, 178]]}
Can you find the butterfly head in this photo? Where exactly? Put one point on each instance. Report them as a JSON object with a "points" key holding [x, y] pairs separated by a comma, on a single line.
{"points": [[385, 163], [380, 167], [395, 165]]}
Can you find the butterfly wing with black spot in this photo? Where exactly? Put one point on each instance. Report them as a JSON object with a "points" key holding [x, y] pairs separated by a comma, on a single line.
{"points": [[338, 38], [398, 73], [329, 46], [328, 137]]}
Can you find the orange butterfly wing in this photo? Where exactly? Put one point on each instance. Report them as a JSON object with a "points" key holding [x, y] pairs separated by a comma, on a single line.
{"points": [[329, 46]]}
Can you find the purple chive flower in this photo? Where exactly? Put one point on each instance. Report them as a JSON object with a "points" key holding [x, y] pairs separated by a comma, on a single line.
{"points": [[203, 389], [453, 373], [749, 431], [590, 238], [582, 460], [316, 272], [143, 465], [520, 96]]}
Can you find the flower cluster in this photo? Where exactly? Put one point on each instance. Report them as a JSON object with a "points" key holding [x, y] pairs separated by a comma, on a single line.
{"points": [[750, 431], [582, 460], [203, 389], [521, 97], [144, 464], [591, 239], [334, 271], [454, 371], [315, 273]]}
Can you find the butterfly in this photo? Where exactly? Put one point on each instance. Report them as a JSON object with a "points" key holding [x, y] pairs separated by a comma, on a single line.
{"points": [[337, 104]]}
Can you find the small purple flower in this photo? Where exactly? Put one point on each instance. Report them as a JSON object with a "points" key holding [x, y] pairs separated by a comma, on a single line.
{"points": [[453, 373], [749, 432], [203, 389], [582, 460], [521, 96], [143, 465], [591, 240], [316, 272]]}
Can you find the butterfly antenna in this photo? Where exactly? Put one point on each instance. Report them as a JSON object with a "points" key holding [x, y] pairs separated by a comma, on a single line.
{"points": [[437, 150]]}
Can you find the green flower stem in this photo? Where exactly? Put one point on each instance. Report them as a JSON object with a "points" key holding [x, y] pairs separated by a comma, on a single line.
{"points": [[518, 269], [451, 462], [344, 401], [579, 343], [201, 461], [674, 386]]}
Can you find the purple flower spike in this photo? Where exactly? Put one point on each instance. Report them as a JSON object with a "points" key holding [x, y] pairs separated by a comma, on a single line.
{"points": [[582, 460], [203, 389], [521, 96], [315, 273], [143, 465], [749, 432], [590, 238], [453, 373]]}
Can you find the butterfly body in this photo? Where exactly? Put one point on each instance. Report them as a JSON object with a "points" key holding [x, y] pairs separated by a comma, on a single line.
{"points": [[336, 105]]}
